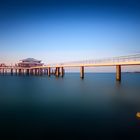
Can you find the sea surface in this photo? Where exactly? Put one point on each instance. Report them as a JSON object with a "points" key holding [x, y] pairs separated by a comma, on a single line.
{"points": [[69, 108]]}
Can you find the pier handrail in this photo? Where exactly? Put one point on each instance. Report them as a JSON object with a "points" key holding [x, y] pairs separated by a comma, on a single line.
{"points": [[119, 59]]}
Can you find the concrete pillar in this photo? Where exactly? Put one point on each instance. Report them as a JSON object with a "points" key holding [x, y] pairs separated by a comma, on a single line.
{"points": [[5, 71], [11, 71], [118, 72], [19, 71], [22, 71], [62, 72], [45, 71], [35, 70], [27, 71], [31, 71], [16, 72], [53, 71], [2, 71], [40, 71], [57, 71], [49, 71], [82, 72]]}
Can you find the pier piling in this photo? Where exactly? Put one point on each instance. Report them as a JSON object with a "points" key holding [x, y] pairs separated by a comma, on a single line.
{"points": [[3, 71], [57, 71], [40, 71], [27, 71], [49, 71], [35, 71], [19, 71], [62, 72], [31, 71], [11, 71], [16, 71], [118, 72], [82, 72]]}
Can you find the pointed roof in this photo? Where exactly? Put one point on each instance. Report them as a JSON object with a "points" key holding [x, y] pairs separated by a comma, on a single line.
{"points": [[30, 60]]}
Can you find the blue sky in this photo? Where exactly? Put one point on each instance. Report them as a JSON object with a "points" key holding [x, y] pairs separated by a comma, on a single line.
{"points": [[58, 30]]}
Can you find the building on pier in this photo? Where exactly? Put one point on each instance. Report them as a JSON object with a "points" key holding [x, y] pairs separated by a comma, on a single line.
{"points": [[30, 62]]}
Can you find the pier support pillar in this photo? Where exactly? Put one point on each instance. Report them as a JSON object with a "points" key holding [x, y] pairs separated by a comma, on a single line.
{"points": [[22, 71], [16, 71], [3, 71], [62, 72], [19, 71], [27, 71], [40, 71], [118, 72], [31, 71], [57, 71], [49, 71], [11, 71], [35, 71], [82, 72], [45, 71]]}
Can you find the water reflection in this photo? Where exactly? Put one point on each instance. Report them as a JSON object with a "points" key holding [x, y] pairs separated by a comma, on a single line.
{"points": [[69, 107]]}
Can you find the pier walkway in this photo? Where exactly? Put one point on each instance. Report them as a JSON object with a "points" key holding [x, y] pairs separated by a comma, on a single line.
{"points": [[118, 62]]}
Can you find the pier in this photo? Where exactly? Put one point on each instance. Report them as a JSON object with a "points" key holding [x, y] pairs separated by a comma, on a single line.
{"points": [[59, 68]]}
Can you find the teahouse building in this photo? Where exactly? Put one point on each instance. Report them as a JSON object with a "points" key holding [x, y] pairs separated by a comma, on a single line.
{"points": [[30, 62]]}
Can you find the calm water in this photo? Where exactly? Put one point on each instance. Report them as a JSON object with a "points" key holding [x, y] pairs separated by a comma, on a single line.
{"points": [[39, 107]]}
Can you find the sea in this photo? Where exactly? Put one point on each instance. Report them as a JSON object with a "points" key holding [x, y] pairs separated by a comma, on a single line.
{"points": [[70, 108]]}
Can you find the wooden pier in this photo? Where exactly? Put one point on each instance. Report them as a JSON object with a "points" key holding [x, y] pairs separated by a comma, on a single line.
{"points": [[59, 70]]}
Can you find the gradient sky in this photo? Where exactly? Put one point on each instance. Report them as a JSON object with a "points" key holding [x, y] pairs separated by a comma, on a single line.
{"points": [[67, 30]]}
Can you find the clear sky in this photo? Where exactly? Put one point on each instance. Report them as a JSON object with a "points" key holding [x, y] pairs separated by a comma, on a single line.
{"points": [[67, 30]]}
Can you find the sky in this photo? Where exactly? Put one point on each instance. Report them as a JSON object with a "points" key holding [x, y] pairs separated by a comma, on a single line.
{"points": [[68, 30]]}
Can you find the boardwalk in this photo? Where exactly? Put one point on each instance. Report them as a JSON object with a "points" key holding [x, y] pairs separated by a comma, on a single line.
{"points": [[59, 67]]}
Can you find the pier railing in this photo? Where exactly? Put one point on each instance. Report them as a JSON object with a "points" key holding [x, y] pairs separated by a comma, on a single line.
{"points": [[112, 60]]}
